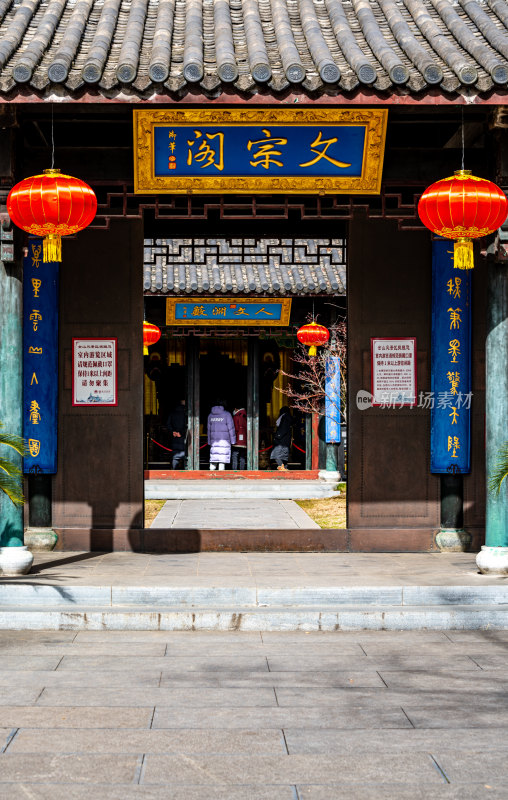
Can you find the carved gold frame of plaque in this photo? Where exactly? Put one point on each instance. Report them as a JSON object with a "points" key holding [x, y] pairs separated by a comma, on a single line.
{"points": [[263, 322], [146, 182]]}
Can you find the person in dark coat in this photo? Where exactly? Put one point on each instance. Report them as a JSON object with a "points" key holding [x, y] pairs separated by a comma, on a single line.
{"points": [[177, 427], [282, 439], [221, 435], [239, 453]]}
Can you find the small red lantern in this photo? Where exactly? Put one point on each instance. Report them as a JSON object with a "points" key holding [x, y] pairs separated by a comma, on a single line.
{"points": [[52, 205], [151, 334], [313, 335], [463, 207]]}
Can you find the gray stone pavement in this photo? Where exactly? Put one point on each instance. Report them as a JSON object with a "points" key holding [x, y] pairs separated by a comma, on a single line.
{"points": [[364, 715], [226, 513], [254, 570]]}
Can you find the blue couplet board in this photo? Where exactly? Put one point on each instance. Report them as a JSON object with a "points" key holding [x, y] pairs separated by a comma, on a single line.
{"points": [[451, 363], [40, 360], [248, 150], [332, 400]]}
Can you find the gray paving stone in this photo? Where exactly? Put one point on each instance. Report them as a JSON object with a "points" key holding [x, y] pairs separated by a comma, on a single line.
{"points": [[177, 645], [291, 769], [85, 678], [175, 638], [327, 663], [21, 695], [434, 649], [398, 792], [149, 741], [461, 766], [455, 681], [56, 768], [320, 717], [4, 734], [137, 696], [15, 663], [67, 791], [312, 740], [480, 714], [199, 663], [87, 649], [490, 662], [340, 638], [484, 637], [42, 637], [72, 717], [230, 679]]}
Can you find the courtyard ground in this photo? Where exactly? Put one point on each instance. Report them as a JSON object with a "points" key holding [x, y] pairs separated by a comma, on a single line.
{"points": [[253, 716]]}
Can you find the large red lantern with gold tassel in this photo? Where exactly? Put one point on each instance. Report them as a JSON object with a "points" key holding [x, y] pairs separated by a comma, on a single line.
{"points": [[52, 205], [463, 207], [151, 334], [313, 335]]}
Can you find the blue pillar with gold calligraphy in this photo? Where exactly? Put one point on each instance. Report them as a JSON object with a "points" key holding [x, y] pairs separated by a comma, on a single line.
{"points": [[332, 400], [451, 364], [40, 361], [332, 411]]}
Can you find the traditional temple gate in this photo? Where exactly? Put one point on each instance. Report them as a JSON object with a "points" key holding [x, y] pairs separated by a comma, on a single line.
{"points": [[423, 61]]}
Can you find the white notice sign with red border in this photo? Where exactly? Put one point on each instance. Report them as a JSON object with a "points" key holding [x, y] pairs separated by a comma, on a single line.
{"points": [[393, 364], [94, 372]]}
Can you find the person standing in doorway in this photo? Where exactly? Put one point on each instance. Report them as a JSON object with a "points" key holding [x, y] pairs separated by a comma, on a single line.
{"points": [[177, 427], [282, 439], [239, 460], [221, 435]]}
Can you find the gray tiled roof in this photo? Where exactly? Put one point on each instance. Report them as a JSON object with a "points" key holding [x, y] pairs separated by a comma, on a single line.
{"points": [[138, 46], [245, 266]]}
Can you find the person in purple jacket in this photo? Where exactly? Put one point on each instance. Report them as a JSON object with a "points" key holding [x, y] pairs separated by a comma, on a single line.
{"points": [[221, 435]]}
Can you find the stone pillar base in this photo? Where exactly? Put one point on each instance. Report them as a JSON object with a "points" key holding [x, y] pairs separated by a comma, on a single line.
{"points": [[493, 560], [453, 540], [40, 539], [329, 475], [15, 561]]}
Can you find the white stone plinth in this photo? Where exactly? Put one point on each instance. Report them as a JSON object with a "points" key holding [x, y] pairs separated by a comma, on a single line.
{"points": [[15, 561], [493, 560]]}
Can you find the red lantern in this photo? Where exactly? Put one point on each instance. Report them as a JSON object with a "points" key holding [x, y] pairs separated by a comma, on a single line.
{"points": [[52, 205], [151, 334], [463, 207], [313, 335]]}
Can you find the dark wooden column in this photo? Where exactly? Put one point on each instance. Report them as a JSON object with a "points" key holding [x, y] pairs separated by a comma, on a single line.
{"points": [[393, 500], [98, 491]]}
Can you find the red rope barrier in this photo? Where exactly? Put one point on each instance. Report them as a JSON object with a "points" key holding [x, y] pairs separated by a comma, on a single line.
{"points": [[206, 445], [161, 445]]}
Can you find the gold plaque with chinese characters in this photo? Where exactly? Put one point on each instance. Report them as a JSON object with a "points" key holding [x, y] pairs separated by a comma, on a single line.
{"points": [[239, 311], [257, 151]]}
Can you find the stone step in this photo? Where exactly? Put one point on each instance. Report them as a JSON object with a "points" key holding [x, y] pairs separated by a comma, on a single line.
{"points": [[238, 489], [13, 595], [304, 618]]}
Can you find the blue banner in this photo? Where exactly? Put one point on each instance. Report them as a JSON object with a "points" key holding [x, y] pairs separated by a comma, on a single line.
{"points": [[451, 363], [40, 360], [332, 400], [315, 150]]}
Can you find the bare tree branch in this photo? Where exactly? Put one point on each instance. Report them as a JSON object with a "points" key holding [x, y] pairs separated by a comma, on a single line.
{"points": [[306, 390]]}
